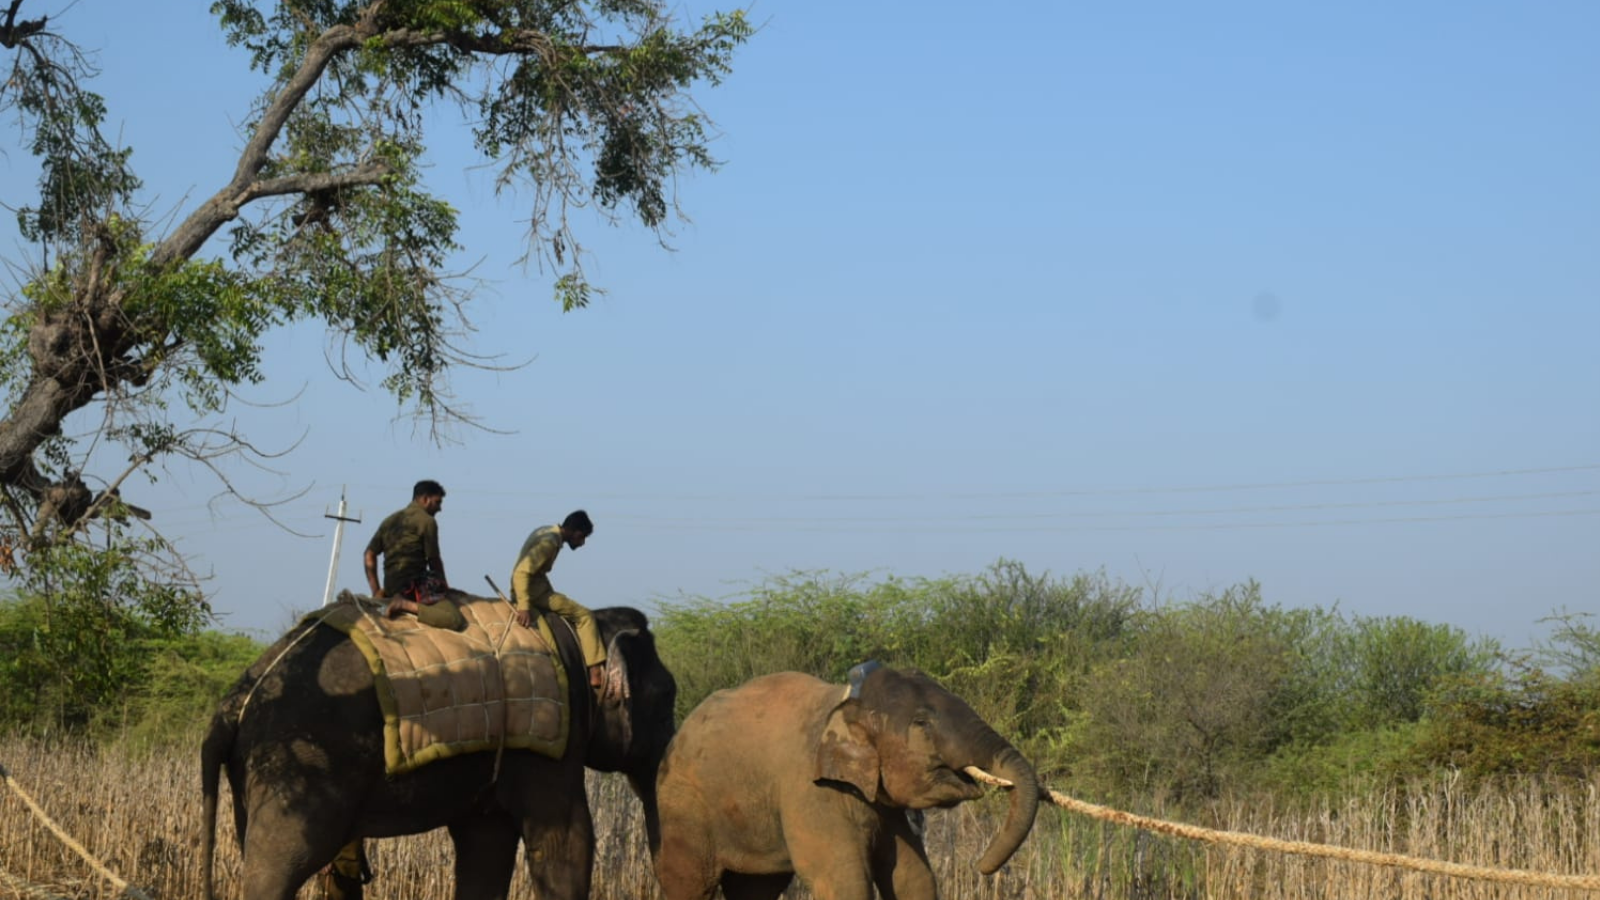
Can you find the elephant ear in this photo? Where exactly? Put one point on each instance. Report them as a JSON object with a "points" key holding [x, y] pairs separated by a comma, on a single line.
{"points": [[616, 691], [613, 705], [845, 752]]}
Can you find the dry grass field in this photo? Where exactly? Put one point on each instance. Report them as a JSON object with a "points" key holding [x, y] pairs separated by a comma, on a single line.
{"points": [[140, 816]]}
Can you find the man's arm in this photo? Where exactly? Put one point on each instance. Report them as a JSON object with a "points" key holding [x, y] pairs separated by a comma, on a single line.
{"points": [[370, 559]]}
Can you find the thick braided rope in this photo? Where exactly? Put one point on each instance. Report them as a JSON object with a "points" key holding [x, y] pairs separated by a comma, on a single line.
{"points": [[95, 864], [1305, 848]]}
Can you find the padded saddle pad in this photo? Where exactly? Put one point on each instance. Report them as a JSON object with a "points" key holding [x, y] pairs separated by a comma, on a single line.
{"points": [[447, 692]]}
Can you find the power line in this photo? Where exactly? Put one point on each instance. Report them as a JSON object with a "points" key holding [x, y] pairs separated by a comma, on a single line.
{"points": [[1110, 514], [954, 528], [216, 523], [1012, 495]]}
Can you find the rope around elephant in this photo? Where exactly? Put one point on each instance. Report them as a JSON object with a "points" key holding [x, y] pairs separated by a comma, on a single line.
{"points": [[1303, 848]]}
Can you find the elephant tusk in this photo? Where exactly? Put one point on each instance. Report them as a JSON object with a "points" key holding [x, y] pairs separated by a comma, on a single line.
{"points": [[984, 777]]}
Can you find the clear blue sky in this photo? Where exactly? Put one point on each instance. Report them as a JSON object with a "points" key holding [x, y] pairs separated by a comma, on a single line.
{"points": [[1190, 293]]}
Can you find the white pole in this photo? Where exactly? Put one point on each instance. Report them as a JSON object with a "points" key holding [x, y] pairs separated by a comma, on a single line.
{"points": [[338, 539]]}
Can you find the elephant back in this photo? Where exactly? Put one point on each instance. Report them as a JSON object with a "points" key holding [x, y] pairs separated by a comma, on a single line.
{"points": [[443, 693]]}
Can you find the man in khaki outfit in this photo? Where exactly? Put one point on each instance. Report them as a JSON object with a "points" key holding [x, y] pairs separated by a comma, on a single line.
{"points": [[530, 587], [413, 572]]}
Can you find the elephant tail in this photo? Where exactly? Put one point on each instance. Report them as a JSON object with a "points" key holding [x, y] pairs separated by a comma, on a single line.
{"points": [[214, 755]]}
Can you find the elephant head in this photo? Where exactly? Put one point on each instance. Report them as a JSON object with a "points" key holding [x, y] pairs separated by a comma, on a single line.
{"points": [[902, 740], [635, 717]]}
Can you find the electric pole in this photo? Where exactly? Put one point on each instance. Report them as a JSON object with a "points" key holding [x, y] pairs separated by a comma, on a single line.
{"points": [[338, 539]]}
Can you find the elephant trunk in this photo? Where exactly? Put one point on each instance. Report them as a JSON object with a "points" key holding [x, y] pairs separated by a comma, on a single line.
{"points": [[1009, 764], [644, 787]]}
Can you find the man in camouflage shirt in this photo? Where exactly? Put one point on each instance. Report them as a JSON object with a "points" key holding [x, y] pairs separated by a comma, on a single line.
{"points": [[413, 572], [530, 587]]}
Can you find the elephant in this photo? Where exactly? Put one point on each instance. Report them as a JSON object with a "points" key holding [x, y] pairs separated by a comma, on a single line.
{"points": [[791, 775], [300, 737]]}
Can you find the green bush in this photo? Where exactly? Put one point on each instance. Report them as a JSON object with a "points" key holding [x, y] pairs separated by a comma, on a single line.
{"points": [[1519, 719], [1014, 645], [99, 669], [1229, 692], [1396, 662], [1573, 646], [1339, 765], [75, 638], [1185, 700], [1194, 697], [185, 679]]}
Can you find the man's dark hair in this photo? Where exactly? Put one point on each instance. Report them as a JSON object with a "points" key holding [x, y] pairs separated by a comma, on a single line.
{"points": [[427, 487], [578, 521]]}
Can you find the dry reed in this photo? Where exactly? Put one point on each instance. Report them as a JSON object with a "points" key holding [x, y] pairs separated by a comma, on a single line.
{"points": [[139, 814]]}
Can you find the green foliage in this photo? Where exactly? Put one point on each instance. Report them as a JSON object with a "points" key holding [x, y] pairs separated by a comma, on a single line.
{"points": [[1396, 661], [1573, 646], [108, 667], [550, 96], [184, 679], [76, 638], [372, 276], [1226, 693], [1013, 645], [330, 220], [81, 173], [1195, 696], [1332, 768], [1208, 691], [804, 622], [1514, 720]]}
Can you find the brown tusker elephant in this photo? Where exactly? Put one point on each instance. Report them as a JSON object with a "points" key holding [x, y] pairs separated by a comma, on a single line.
{"points": [[789, 775], [301, 740]]}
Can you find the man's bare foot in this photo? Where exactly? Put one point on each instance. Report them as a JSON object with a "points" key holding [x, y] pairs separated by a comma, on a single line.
{"points": [[397, 607]]}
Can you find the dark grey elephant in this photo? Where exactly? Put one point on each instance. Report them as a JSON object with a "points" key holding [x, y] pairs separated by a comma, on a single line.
{"points": [[791, 775], [306, 766]]}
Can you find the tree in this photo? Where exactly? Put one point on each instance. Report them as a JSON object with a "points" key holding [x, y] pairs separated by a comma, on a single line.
{"points": [[1200, 691], [124, 345], [1573, 646], [1516, 720]]}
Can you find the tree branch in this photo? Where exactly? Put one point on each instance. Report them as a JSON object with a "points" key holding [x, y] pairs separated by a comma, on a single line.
{"points": [[510, 41], [366, 174], [13, 32], [224, 206]]}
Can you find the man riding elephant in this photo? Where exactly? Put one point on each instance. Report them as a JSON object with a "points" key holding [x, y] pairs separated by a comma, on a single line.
{"points": [[531, 590], [414, 582], [413, 572]]}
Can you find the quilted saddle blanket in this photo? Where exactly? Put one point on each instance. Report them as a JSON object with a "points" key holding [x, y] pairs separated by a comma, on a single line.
{"points": [[495, 684]]}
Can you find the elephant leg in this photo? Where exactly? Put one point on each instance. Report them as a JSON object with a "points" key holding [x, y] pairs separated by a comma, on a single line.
{"points": [[900, 865], [739, 886], [282, 849], [685, 868], [486, 856], [833, 862], [559, 835]]}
